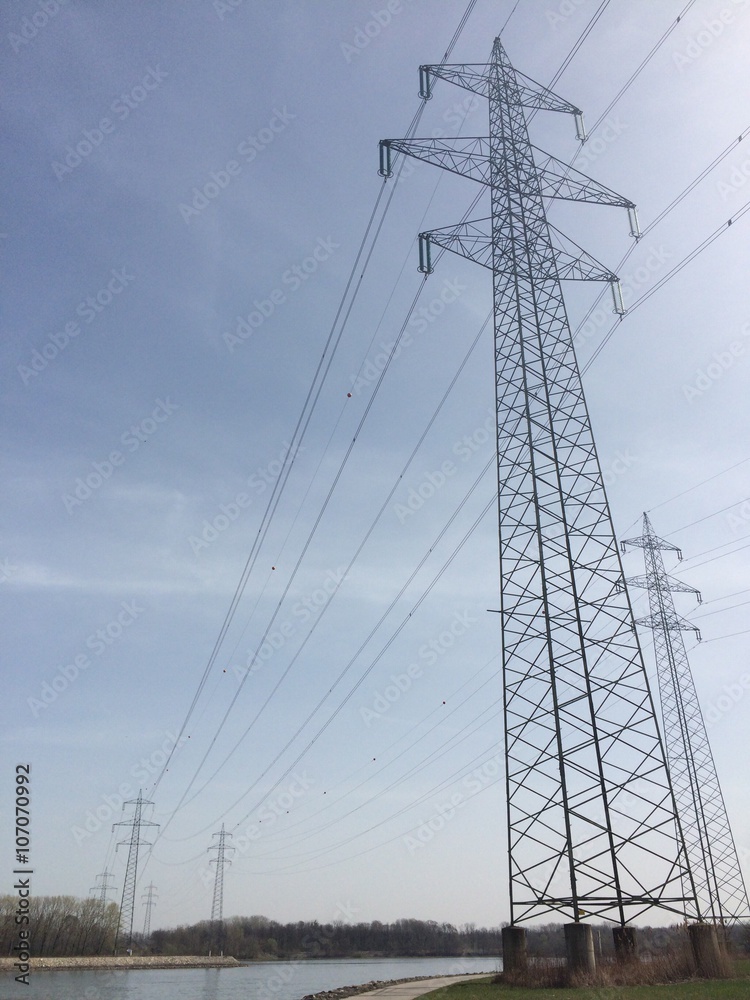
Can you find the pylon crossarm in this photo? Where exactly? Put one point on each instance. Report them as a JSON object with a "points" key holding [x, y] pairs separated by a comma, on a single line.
{"points": [[471, 76], [652, 542], [472, 241], [581, 268], [560, 180], [478, 78], [469, 157], [670, 623], [680, 587], [469, 239]]}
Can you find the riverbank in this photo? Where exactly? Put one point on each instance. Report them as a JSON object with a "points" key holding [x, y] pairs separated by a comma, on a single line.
{"points": [[108, 963], [341, 992]]}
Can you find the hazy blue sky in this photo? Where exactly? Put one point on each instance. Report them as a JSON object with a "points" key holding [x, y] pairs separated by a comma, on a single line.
{"points": [[186, 188]]}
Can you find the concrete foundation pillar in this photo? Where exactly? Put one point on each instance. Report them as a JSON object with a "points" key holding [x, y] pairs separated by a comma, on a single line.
{"points": [[626, 944], [514, 949], [707, 952], [579, 947]]}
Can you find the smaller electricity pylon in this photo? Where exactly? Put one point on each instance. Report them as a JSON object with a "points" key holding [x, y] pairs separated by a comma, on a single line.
{"points": [[217, 906], [134, 842], [149, 897], [712, 855], [103, 888]]}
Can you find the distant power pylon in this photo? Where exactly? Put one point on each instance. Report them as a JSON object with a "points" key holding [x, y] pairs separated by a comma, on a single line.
{"points": [[720, 887], [593, 829], [134, 842], [221, 859], [150, 900], [103, 888]]}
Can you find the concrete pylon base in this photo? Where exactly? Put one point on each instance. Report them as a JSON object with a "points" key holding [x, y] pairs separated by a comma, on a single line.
{"points": [[579, 947], [707, 951], [514, 949], [626, 944]]}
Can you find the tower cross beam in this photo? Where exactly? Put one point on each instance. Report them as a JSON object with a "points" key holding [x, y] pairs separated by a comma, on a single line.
{"points": [[470, 157]]}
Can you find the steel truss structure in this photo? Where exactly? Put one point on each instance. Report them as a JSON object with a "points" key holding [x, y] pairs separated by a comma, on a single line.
{"points": [[103, 888], [221, 859], [592, 824], [720, 887], [134, 843], [149, 901]]}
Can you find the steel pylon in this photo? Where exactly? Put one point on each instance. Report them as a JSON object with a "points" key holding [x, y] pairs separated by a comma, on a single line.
{"points": [[149, 901], [134, 843], [592, 824], [720, 887], [103, 888], [221, 859]]}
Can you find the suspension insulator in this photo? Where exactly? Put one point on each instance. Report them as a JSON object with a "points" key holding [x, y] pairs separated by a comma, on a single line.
{"points": [[580, 127], [385, 159], [425, 254], [619, 305], [425, 83], [635, 228]]}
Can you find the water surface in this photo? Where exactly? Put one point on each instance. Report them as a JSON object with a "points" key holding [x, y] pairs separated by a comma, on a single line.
{"points": [[254, 981]]}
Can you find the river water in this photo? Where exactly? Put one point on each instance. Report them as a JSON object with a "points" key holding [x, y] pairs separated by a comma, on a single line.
{"points": [[254, 981]]}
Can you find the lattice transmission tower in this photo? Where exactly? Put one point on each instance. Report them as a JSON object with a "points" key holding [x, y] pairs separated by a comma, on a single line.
{"points": [[149, 898], [715, 866], [592, 824], [134, 843], [103, 888], [221, 859]]}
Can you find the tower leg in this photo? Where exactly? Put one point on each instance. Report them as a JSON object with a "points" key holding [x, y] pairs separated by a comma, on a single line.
{"points": [[579, 947], [514, 949], [626, 943], [709, 957]]}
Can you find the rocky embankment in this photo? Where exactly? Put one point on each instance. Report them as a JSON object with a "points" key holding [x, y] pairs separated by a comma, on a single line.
{"points": [[112, 962], [351, 991]]}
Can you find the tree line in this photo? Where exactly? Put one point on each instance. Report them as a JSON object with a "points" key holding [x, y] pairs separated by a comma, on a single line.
{"points": [[61, 926], [68, 926], [258, 937]]}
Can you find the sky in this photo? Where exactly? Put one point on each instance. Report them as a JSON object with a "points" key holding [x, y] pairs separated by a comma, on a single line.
{"points": [[187, 192]]}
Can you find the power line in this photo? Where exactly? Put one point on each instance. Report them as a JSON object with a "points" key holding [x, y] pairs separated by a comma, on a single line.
{"points": [[671, 273], [703, 482], [302, 423], [282, 478], [677, 200], [707, 516], [351, 563], [642, 65], [387, 645]]}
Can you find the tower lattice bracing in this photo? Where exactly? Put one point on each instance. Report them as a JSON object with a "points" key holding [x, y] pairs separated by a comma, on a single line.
{"points": [[103, 888], [222, 849], [134, 843], [149, 901], [592, 825], [715, 867]]}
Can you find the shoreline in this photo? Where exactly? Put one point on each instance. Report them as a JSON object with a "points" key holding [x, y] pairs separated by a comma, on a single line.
{"points": [[113, 963], [341, 992]]}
